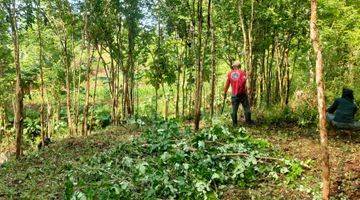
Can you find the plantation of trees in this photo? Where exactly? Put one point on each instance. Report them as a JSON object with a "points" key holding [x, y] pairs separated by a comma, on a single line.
{"points": [[137, 99]]}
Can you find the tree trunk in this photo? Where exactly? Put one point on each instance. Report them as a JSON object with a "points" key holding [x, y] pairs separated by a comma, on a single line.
{"points": [[50, 125], [113, 89], [68, 92], [184, 93], [247, 46], [314, 33], [242, 26], [178, 86], [251, 74], [156, 102], [270, 75], [166, 98], [190, 98], [199, 79], [42, 108], [94, 96], [287, 80], [84, 129], [127, 105], [77, 100], [19, 92], [213, 62], [2, 121], [131, 67]]}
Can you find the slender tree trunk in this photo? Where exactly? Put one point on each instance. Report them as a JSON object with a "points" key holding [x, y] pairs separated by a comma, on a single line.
{"points": [[184, 96], [137, 110], [123, 103], [94, 96], [113, 75], [77, 99], [84, 129], [190, 97], [166, 98], [127, 96], [131, 66], [247, 45], [178, 86], [49, 115], [68, 89], [287, 79], [270, 75], [42, 107], [314, 33], [213, 62], [199, 82], [76, 72], [251, 74], [156, 102], [2, 120], [19, 92], [243, 30]]}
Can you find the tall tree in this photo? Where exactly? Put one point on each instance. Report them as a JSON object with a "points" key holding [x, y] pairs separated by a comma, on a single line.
{"points": [[132, 14], [199, 71], [42, 106], [314, 34], [90, 54], [247, 31], [5, 60], [213, 58], [12, 9]]}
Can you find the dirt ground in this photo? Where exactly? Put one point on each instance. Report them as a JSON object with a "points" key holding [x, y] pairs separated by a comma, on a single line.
{"points": [[304, 144]]}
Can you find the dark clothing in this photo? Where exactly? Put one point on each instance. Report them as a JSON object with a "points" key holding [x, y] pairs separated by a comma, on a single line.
{"points": [[344, 110], [236, 100], [340, 125]]}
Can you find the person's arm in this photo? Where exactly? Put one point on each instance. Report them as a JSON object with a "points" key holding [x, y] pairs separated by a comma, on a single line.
{"points": [[333, 107], [246, 85], [355, 109], [227, 85]]}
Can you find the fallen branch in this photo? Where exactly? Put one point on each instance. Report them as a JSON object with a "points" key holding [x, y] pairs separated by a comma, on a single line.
{"points": [[259, 158]]}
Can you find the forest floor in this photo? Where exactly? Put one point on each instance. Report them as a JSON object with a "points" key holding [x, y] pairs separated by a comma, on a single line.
{"points": [[303, 144], [42, 175]]}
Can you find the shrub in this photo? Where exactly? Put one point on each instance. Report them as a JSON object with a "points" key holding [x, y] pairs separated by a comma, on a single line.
{"points": [[102, 116], [168, 162]]}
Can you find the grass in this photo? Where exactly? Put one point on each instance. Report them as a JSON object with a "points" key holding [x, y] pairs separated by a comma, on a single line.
{"points": [[42, 174]]}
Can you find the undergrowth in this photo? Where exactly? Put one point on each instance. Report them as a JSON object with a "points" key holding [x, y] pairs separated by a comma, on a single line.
{"points": [[169, 162]]}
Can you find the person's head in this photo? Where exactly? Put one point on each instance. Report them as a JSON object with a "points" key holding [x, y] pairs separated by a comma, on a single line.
{"points": [[348, 94], [236, 65]]}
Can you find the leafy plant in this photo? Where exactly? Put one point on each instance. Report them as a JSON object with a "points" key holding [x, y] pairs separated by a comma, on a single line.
{"points": [[32, 128], [169, 162], [102, 117]]}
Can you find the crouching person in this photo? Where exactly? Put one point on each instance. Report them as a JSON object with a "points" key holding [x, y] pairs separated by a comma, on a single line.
{"points": [[341, 114], [47, 142]]}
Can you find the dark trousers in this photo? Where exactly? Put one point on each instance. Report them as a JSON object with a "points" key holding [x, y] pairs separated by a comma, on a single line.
{"points": [[353, 126], [236, 101]]}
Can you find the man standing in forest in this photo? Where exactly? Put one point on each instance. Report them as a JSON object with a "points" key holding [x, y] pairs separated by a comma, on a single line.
{"points": [[237, 79]]}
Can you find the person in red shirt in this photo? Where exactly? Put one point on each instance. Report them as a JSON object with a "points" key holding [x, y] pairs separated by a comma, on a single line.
{"points": [[237, 79]]}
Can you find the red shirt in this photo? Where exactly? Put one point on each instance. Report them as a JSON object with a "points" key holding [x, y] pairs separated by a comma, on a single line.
{"points": [[237, 80]]}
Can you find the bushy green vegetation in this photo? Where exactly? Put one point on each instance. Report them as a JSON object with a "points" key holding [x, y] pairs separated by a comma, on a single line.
{"points": [[170, 162]]}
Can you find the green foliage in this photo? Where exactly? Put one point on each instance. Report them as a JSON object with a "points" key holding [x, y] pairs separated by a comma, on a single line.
{"points": [[102, 116], [169, 162], [32, 128]]}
